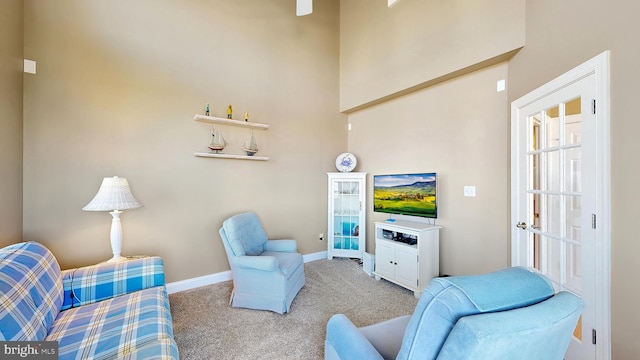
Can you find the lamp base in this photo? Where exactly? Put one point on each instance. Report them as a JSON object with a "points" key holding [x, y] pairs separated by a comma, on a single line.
{"points": [[116, 259], [116, 237]]}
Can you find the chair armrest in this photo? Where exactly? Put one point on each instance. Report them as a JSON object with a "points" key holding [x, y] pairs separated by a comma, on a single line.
{"points": [[345, 341], [103, 281], [386, 336], [281, 245], [265, 263]]}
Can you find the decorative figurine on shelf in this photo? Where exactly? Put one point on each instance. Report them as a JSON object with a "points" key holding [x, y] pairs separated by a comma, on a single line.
{"points": [[229, 112], [217, 141], [250, 146], [206, 110], [246, 116]]}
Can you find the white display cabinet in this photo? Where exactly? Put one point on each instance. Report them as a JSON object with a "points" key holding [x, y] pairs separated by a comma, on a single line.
{"points": [[407, 253], [346, 220]]}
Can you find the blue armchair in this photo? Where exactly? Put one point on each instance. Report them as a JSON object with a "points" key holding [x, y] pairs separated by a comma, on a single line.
{"points": [[508, 314], [267, 274]]}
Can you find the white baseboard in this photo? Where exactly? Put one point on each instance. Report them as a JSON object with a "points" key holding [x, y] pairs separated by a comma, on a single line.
{"points": [[205, 280], [199, 281], [315, 256]]}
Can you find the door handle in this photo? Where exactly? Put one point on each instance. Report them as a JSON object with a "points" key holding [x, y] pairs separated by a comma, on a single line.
{"points": [[522, 225]]}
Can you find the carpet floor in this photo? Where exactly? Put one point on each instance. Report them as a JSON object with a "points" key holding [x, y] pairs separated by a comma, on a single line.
{"points": [[207, 327]]}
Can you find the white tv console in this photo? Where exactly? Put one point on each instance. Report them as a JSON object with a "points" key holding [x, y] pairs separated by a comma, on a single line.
{"points": [[407, 253]]}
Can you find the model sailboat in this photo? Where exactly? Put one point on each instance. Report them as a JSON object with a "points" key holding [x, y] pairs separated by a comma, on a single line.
{"points": [[250, 146], [217, 141]]}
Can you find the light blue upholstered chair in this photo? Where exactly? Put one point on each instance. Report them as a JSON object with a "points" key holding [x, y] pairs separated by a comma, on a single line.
{"points": [[267, 274], [509, 314]]}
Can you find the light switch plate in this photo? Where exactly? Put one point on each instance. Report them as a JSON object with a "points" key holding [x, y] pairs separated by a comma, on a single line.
{"points": [[29, 66], [470, 191]]}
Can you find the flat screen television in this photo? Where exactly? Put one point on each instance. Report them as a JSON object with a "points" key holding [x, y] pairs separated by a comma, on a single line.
{"points": [[406, 194]]}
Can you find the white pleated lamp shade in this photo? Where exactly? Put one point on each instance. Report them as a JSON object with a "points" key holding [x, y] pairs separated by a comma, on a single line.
{"points": [[114, 194]]}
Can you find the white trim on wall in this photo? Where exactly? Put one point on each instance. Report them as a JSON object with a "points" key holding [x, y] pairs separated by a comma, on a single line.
{"points": [[197, 282], [210, 279], [315, 256]]}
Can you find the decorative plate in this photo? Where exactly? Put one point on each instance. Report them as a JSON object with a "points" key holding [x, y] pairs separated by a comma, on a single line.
{"points": [[346, 162]]}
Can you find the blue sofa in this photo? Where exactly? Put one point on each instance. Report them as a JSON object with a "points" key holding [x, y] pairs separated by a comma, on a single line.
{"points": [[505, 315], [106, 311]]}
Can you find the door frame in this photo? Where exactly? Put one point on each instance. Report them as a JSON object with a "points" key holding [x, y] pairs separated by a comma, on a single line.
{"points": [[600, 67]]}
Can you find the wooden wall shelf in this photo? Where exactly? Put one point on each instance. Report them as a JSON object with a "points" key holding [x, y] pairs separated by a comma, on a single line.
{"points": [[230, 122], [231, 156]]}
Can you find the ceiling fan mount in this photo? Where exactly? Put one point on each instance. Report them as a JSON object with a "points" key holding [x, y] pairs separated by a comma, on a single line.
{"points": [[304, 7]]}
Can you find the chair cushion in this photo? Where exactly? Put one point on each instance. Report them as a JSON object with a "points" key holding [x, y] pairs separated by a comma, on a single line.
{"points": [[289, 262], [446, 300], [30, 291], [132, 326], [245, 234]]}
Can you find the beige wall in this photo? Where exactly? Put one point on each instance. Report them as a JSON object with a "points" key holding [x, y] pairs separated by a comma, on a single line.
{"points": [[385, 52], [586, 29], [459, 130], [419, 83], [11, 32], [117, 87]]}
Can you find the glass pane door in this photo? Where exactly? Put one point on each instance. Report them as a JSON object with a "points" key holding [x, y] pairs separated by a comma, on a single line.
{"points": [[554, 193], [346, 223]]}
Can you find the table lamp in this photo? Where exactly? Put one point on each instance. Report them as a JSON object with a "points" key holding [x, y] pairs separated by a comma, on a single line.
{"points": [[114, 195]]}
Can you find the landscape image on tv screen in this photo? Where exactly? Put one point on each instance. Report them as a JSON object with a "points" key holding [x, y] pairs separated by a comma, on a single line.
{"points": [[405, 194]]}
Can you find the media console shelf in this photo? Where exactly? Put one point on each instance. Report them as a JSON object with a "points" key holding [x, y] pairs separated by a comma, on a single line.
{"points": [[407, 253], [230, 122]]}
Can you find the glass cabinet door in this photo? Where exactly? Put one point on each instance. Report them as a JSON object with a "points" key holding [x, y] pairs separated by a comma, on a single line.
{"points": [[346, 217], [346, 223]]}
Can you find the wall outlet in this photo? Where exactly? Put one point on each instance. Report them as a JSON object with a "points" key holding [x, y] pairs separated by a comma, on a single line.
{"points": [[321, 236]]}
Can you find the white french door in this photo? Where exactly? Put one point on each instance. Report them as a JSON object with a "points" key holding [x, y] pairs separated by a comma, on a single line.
{"points": [[560, 194]]}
